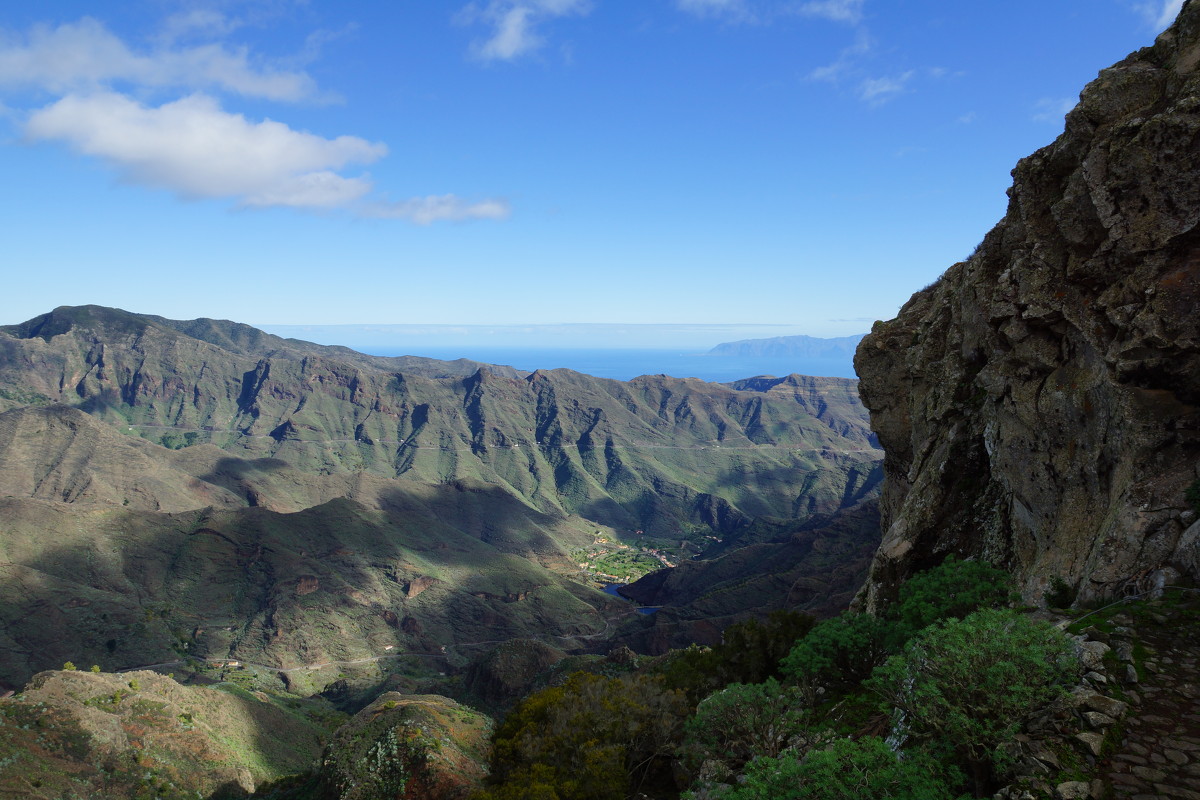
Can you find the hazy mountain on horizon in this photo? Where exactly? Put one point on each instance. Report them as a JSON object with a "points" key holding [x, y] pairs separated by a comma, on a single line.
{"points": [[697, 337], [790, 347]]}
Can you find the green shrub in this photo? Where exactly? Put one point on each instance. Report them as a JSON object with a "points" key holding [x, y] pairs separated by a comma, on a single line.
{"points": [[696, 671], [849, 769], [953, 589], [590, 739], [744, 721], [1060, 594], [842, 651], [750, 652], [69, 666], [968, 685]]}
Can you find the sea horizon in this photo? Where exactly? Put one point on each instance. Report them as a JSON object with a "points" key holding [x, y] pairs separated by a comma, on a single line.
{"points": [[627, 363]]}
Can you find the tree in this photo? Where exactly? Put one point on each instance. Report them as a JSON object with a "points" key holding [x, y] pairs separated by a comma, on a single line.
{"points": [[954, 588], [841, 651], [750, 652], [593, 738], [971, 683], [743, 721], [849, 769]]}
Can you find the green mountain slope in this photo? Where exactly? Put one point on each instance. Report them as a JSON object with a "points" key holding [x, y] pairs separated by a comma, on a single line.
{"points": [[83, 735], [337, 582], [655, 453]]}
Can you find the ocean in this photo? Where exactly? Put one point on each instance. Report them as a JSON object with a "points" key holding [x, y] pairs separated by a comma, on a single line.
{"points": [[624, 364]]}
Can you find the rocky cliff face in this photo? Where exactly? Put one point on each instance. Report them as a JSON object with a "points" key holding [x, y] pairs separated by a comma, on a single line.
{"points": [[1038, 403]]}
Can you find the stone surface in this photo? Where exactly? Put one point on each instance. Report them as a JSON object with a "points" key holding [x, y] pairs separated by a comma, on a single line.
{"points": [[1098, 720], [431, 743], [1073, 790], [1039, 405], [1092, 742], [1159, 755], [1092, 654]]}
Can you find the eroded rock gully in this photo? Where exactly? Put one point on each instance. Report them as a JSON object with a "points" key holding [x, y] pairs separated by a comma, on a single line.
{"points": [[1038, 404]]}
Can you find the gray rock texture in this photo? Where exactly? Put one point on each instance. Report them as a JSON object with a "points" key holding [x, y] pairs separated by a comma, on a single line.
{"points": [[1038, 404]]}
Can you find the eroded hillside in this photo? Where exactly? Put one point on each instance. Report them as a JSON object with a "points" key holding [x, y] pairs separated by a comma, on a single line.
{"points": [[655, 453]]}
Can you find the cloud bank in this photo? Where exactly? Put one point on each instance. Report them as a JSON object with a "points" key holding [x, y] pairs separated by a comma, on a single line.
{"points": [[1161, 13], [190, 145], [834, 10], [85, 56], [728, 9]]}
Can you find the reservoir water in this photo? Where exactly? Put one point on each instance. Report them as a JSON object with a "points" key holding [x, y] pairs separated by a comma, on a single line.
{"points": [[611, 588]]}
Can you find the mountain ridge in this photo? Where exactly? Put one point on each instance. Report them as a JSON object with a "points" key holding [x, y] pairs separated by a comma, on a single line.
{"points": [[653, 453]]}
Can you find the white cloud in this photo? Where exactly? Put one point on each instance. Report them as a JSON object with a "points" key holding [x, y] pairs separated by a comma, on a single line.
{"points": [[877, 91], [513, 24], [195, 149], [834, 10], [1051, 109], [1160, 13], [192, 146], [84, 56], [198, 21], [847, 60], [967, 118], [437, 208]]}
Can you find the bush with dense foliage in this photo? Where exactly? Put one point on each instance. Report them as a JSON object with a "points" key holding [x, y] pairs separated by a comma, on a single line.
{"points": [[849, 769], [953, 589], [971, 683], [750, 652], [593, 738], [841, 652], [742, 721]]}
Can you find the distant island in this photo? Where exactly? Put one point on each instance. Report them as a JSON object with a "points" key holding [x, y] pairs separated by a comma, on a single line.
{"points": [[790, 347]]}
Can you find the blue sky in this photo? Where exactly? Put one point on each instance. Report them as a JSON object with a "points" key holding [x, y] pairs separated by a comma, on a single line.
{"points": [[808, 163]]}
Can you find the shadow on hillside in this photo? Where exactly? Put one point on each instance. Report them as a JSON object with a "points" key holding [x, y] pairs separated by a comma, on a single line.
{"points": [[413, 567], [442, 572], [814, 569], [237, 474]]}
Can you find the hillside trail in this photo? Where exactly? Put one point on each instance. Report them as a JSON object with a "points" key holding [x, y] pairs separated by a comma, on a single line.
{"points": [[1159, 756]]}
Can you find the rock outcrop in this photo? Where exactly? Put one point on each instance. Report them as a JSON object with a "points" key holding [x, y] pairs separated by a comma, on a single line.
{"points": [[407, 746], [1038, 404]]}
